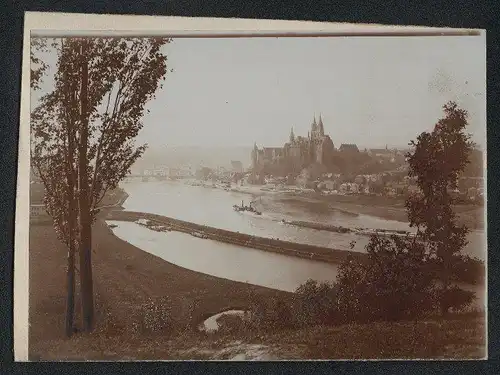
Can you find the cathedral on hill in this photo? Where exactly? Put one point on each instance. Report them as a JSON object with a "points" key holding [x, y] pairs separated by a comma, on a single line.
{"points": [[298, 152]]}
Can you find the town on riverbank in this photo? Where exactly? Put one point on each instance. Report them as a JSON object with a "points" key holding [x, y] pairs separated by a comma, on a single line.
{"points": [[370, 181], [154, 236]]}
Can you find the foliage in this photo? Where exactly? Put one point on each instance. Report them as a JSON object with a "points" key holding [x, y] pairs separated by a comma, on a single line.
{"points": [[456, 299], [403, 277], [123, 76], [38, 66], [231, 324], [272, 314], [83, 131], [437, 161], [468, 270], [475, 168], [392, 284], [316, 303]]}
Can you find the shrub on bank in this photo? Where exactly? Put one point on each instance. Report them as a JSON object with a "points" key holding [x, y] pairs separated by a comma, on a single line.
{"points": [[391, 284], [275, 313], [316, 303], [395, 282], [456, 299], [468, 270]]}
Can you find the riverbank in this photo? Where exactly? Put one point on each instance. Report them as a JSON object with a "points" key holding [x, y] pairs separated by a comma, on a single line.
{"points": [[127, 282], [383, 207], [127, 279], [389, 208], [305, 251]]}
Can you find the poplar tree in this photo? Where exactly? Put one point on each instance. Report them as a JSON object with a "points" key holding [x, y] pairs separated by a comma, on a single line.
{"points": [[83, 137]]}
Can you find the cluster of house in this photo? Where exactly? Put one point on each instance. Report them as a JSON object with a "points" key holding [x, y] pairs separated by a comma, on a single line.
{"points": [[164, 171], [221, 173], [392, 185]]}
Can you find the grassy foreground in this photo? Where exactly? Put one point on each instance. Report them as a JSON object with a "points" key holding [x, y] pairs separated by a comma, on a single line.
{"points": [[128, 281]]}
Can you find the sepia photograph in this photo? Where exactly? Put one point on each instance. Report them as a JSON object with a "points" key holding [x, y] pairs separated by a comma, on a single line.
{"points": [[256, 197]]}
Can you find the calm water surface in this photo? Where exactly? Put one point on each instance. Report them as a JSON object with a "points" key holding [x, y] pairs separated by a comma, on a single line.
{"points": [[233, 262], [213, 207], [225, 260]]}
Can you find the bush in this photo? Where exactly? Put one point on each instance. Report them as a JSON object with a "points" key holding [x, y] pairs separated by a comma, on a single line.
{"points": [[392, 284], [469, 270], [273, 314], [316, 303], [352, 290], [395, 282], [456, 299]]}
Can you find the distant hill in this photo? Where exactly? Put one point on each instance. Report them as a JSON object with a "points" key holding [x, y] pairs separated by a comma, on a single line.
{"points": [[195, 156]]}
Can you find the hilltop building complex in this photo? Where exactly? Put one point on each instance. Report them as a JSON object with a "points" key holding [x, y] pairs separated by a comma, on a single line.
{"points": [[298, 151]]}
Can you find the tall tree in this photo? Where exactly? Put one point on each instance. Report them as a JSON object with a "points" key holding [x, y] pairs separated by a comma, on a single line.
{"points": [[85, 130], [38, 66], [52, 160], [437, 160]]}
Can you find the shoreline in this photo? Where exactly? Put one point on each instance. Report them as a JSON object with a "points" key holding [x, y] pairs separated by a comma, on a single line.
{"points": [[472, 216], [381, 207], [299, 250], [126, 279]]}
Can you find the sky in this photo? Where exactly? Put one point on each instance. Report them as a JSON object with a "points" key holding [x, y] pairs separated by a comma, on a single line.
{"points": [[372, 91]]}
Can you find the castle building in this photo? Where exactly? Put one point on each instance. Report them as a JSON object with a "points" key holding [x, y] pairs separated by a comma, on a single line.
{"points": [[298, 151]]}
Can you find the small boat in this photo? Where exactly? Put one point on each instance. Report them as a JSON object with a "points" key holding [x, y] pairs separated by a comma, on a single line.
{"points": [[249, 208]]}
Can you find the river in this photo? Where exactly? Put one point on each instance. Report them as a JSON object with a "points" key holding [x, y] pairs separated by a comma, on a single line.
{"points": [[213, 207], [225, 260]]}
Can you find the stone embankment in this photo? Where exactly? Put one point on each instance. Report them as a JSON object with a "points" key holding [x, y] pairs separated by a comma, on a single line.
{"points": [[305, 251]]}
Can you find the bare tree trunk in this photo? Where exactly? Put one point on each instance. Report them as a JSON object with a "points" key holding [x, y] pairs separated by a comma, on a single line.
{"points": [[72, 223], [85, 219], [72, 220], [70, 306]]}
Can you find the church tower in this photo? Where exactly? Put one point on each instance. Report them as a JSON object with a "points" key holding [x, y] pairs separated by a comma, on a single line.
{"points": [[314, 128], [292, 136], [320, 125]]}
